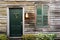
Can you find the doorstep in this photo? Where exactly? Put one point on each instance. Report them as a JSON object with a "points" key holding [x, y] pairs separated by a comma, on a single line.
{"points": [[13, 38], [57, 38]]}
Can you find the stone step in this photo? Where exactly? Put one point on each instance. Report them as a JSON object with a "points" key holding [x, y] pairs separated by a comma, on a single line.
{"points": [[15, 38], [58, 38]]}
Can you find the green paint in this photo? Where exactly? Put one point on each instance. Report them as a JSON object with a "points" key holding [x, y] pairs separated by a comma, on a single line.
{"points": [[42, 17], [15, 16]]}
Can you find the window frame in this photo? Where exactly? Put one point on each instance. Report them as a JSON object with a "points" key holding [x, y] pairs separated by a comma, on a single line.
{"points": [[42, 15]]}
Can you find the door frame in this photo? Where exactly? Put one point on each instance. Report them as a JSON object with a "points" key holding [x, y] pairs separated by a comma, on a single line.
{"points": [[8, 19]]}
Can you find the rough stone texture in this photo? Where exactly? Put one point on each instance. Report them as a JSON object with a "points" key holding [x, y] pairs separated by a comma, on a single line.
{"points": [[3, 19], [26, 0], [28, 7], [15, 2], [15, 38]]}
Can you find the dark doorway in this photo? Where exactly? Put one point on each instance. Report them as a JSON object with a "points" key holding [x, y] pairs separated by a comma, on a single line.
{"points": [[15, 22]]}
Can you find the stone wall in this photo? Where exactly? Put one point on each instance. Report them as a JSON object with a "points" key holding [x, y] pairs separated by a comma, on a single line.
{"points": [[25, 0], [3, 19], [28, 7]]}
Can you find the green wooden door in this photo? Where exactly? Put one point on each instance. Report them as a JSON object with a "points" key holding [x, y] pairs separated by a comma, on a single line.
{"points": [[15, 22]]}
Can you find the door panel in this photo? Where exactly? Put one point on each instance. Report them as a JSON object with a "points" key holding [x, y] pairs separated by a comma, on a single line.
{"points": [[15, 22]]}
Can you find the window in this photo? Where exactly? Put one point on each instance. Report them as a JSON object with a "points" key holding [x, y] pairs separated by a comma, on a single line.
{"points": [[42, 16]]}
